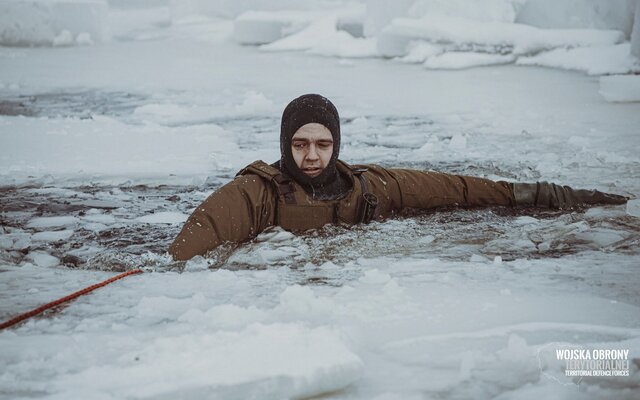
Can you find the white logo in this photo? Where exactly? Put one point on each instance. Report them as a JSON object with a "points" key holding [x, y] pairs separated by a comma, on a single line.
{"points": [[567, 363]]}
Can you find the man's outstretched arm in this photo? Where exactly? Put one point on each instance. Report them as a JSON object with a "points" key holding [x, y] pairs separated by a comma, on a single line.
{"points": [[425, 189], [428, 189], [236, 212]]}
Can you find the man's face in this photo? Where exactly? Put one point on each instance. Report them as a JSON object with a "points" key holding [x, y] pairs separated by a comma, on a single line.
{"points": [[312, 147]]}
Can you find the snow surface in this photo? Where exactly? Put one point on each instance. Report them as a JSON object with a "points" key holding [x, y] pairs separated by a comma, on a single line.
{"points": [[105, 149], [621, 88]]}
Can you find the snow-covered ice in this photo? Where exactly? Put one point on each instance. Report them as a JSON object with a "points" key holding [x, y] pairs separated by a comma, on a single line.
{"points": [[594, 60], [497, 37], [460, 60], [106, 149], [620, 88]]}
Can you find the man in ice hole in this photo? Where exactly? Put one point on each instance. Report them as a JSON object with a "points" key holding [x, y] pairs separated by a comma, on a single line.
{"points": [[310, 187]]}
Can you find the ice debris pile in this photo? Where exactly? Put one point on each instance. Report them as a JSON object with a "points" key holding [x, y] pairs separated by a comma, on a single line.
{"points": [[453, 35], [53, 23], [439, 34], [588, 36], [594, 36]]}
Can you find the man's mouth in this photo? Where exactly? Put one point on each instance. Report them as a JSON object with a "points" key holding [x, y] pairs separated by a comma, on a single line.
{"points": [[312, 171]]}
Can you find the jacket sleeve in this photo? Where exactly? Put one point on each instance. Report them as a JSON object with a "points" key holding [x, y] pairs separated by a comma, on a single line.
{"points": [[426, 189], [236, 212], [545, 194]]}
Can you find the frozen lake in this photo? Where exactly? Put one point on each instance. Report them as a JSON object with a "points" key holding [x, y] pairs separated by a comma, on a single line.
{"points": [[107, 148]]}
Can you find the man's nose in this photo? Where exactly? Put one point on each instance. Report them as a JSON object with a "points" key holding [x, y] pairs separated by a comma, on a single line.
{"points": [[313, 153]]}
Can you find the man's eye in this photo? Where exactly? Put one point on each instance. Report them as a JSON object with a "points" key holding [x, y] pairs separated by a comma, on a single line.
{"points": [[299, 146]]}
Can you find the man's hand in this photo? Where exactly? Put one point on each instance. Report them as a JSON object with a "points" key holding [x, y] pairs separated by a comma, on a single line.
{"points": [[545, 194]]}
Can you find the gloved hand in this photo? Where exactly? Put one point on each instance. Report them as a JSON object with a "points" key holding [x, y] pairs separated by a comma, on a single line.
{"points": [[550, 195]]}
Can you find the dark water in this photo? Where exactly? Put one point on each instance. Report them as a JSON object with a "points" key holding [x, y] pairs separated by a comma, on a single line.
{"points": [[81, 104], [447, 234], [451, 234]]}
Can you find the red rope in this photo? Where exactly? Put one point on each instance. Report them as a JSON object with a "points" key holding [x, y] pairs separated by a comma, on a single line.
{"points": [[70, 297]]}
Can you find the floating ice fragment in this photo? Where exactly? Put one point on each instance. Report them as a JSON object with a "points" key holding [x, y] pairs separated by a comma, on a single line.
{"points": [[223, 276], [544, 246], [328, 265], [517, 348], [273, 256], [525, 220], [426, 239], [84, 38], [458, 142], [393, 289], [373, 277], [600, 237], [6, 242], [225, 316], [466, 365], [255, 103], [633, 207], [52, 236], [42, 259], [51, 222], [65, 38], [164, 217], [197, 263], [301, 302], [94, 227], [275, 235], [99, 217]]}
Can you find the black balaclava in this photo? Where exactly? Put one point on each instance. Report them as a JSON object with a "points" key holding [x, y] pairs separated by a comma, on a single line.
{"points": [[304, 110]]}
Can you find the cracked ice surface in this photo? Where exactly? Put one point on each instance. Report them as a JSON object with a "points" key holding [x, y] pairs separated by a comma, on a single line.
{"points": [[105, 152]]}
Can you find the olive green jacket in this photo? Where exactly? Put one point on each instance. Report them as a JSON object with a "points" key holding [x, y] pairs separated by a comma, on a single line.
{"points": [[260, 197]]}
